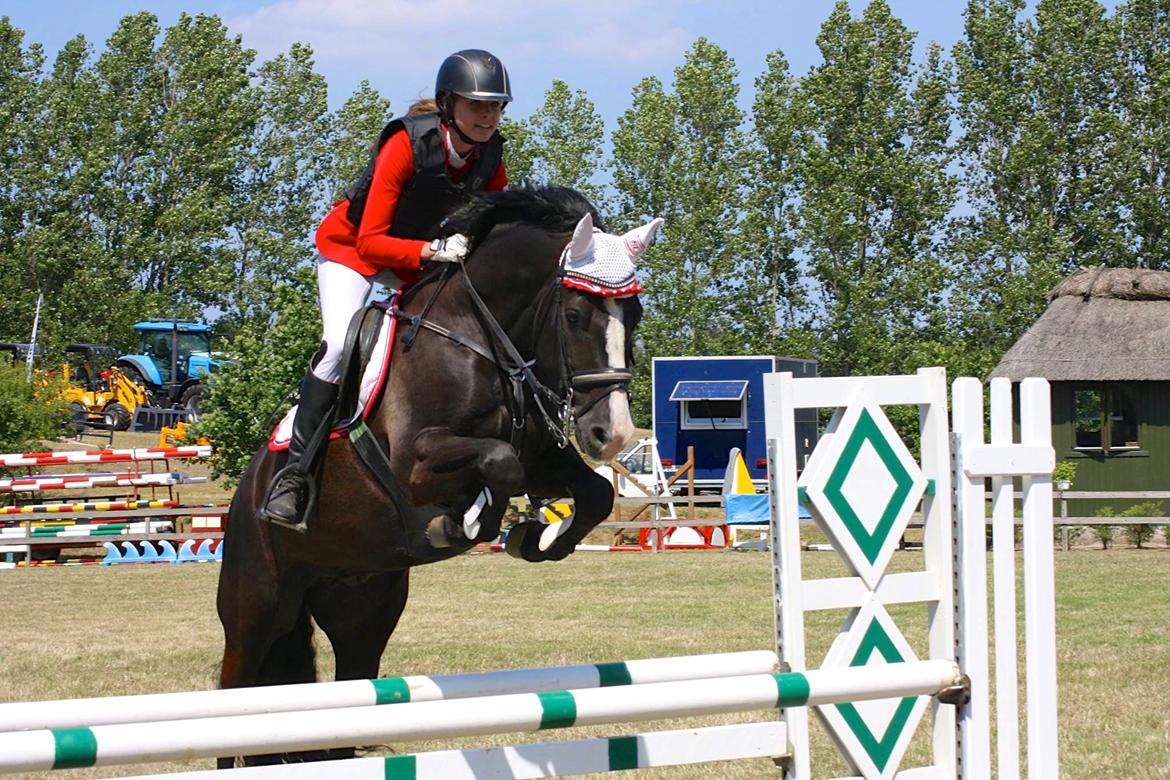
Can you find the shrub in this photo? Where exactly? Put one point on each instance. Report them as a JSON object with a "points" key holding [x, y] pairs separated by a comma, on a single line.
{"points": [[29, 411], [1074, 532], [1104, 533], [1141, 533]]}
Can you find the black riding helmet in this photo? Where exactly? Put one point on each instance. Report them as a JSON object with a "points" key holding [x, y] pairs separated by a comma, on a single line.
{"points": [[475, 74]]}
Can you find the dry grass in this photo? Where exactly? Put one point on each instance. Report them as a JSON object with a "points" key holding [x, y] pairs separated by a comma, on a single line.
{"points": [[85, 632]]}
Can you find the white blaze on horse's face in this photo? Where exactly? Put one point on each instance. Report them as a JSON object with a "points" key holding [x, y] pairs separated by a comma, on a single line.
{"points": [[621, 425]]}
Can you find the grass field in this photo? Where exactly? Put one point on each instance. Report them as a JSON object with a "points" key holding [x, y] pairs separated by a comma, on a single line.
{"points": [[139, 629]]}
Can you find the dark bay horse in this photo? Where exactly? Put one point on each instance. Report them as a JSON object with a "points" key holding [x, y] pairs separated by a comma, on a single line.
{"points": [[471, 415]]}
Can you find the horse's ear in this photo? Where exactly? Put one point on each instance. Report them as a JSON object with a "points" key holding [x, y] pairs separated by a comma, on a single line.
{"points": [[582, 244], [641, 237]]}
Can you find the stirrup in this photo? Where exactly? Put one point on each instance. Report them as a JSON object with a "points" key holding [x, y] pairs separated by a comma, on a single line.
{"points": [[302, 524]]}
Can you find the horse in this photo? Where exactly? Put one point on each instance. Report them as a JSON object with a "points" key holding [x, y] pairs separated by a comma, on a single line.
{"points": [[492, 358]]}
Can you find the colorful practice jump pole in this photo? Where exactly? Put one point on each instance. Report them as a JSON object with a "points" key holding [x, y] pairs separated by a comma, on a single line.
{"points": [[335, 728]]}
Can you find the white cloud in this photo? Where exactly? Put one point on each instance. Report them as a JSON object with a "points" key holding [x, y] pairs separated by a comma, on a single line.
{"points": [[397, 44]]}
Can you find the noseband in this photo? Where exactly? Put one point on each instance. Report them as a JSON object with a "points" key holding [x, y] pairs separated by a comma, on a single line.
{"points": [[571, 382]]}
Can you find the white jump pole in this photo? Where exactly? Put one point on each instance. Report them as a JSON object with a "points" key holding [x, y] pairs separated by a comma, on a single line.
{"points": [[679, 747], [76, 713], [335, 728]]}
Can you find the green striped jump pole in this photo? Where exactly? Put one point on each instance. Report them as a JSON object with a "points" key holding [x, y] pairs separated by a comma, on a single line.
{"points": [[74, 713], [334, 728]]}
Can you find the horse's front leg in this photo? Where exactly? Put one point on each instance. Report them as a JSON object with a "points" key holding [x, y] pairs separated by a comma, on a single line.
{"points": [[561, 472], [474, 477]]}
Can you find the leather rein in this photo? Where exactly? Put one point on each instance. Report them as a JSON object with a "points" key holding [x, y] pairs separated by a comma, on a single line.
{"points": [[555, 407]]}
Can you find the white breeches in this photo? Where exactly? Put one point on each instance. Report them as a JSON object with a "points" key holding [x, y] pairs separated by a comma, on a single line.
{"points": [[342, 291]]}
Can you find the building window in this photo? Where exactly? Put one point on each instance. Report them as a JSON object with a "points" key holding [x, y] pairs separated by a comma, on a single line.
{"points": [[1105, 419], [712, 404]]}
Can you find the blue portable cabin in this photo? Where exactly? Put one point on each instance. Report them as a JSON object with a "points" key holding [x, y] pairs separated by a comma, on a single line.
{"points": [[714, 403]]}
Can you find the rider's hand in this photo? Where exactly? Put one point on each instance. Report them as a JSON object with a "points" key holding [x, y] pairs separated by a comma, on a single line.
{"points": [[451, 249]]}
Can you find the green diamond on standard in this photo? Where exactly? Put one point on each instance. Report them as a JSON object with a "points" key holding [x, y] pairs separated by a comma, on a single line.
{"points": [[893, 714], [868, 449]]}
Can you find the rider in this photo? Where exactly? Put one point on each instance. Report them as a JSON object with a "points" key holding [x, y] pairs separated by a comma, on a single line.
{"points": [[423, 167]]}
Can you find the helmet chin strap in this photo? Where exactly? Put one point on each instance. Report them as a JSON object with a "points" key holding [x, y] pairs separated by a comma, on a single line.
{"points": [[449, 118]]}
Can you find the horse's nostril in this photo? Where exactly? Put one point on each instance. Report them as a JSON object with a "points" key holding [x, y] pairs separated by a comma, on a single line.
{"points": [[599, 434]]}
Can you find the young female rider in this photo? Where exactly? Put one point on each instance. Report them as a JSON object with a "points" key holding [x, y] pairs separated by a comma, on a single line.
{"points": [[424, 166]]}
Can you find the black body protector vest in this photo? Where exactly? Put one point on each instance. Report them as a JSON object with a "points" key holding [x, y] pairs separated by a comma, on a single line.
{"points": [[430, 195]]}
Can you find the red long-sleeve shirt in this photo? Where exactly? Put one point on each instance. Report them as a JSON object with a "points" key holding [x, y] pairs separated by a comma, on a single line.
{"points": [[369, 250]]}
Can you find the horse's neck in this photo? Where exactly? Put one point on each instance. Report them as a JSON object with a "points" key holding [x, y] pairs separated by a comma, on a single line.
{"points": [[510, 272]]}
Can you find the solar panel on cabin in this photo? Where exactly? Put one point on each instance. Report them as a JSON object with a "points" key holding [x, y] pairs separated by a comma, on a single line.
{"points": [[712, 390]]}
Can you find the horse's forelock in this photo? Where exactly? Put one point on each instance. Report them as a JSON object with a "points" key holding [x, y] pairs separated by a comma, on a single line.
{"points": [[553, 209]]}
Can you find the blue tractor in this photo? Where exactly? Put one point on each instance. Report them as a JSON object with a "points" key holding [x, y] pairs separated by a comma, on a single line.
{"points": [[172, 364]]}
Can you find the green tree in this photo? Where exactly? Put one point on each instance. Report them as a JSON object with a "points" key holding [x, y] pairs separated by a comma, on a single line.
{"points": [[354, 128], [282, 189], [560, 143], [874, 192], [1039, 145], [207, 118], [769, 227], [1144, 148], [680, 156], [20, 69], [29, 411]]}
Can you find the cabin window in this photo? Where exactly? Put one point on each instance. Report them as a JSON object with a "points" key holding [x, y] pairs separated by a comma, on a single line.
{"points": [[1105, 419], [707, 405]]}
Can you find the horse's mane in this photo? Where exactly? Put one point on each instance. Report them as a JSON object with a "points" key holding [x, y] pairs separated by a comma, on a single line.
{"points": [[555, 209]]}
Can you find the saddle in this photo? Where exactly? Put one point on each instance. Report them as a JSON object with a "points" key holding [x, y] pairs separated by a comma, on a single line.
{"points": [[365, 365]]}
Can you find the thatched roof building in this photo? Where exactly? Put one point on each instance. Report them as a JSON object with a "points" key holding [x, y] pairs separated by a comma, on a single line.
{"points": [[1102, 324]]}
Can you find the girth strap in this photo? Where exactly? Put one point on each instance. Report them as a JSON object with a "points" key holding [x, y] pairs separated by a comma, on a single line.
{"points": [[378, 464]]}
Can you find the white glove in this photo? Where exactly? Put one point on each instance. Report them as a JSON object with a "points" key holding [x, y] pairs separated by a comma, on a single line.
{"points": [[451, 249]]}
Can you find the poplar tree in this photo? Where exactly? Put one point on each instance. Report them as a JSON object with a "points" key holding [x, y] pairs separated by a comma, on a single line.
{"points": [[1038, 144], [680, 156], [20, 68], [559, 143], [1144, 148], [283, 190], [769, 226], [874, 192], [354, 130]]}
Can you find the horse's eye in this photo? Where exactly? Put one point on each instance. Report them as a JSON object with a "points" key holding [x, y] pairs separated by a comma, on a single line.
{"points": [[573, 316]]}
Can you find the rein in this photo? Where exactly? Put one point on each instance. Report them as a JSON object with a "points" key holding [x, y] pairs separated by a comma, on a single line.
{"points": [[554, 406]]}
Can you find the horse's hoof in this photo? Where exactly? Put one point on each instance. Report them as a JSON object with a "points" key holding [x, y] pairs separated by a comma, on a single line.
{"points": [[528, 541], [514, 545], [437, 532]]}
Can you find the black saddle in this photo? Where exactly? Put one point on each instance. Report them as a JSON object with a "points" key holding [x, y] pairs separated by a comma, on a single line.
{"points": [[360, 340]]}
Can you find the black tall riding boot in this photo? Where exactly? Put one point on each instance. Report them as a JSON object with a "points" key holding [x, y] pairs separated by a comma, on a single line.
{"points": [[288, 494]]}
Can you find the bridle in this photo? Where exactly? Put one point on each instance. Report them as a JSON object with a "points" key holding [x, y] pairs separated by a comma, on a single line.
{"points": [[554, 406], [570, 381]]}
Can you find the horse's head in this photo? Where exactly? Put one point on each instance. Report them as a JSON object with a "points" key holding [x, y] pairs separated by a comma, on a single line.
{"points": [[571, 307], [598, 312]]}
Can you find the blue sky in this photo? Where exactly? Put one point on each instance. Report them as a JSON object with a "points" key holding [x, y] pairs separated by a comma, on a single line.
{"points": [[601, 46]]}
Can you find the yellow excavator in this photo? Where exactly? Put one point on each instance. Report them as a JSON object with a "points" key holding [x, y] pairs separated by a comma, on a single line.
{"points": [[100, 394]]}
